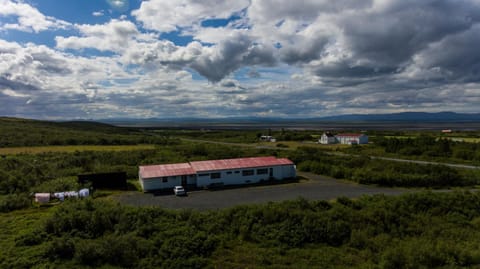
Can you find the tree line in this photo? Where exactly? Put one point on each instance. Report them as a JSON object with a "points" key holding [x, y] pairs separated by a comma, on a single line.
{"points": [[430, 146]]}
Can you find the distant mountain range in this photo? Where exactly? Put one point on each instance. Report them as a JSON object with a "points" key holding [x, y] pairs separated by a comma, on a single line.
{"points": [[416, 117], [408, 117]]}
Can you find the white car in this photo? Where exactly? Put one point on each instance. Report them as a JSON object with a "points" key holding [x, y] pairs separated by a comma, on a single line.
{"points": [[179, 190]]}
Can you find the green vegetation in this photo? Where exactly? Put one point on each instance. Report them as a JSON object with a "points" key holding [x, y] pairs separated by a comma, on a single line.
{"points": [[457, 147], [50, 168], [423, 230], [25, 133], [423, 146], [45, 149], [381, 172], [23, 174], [432, 147], [245, 136]]}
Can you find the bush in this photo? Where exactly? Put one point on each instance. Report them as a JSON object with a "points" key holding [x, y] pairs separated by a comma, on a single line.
{"points": [[12, 202], [60, 248]]}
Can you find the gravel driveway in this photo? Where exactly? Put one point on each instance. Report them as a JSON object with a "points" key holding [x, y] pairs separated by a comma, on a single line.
{"points": [[315, 188]]}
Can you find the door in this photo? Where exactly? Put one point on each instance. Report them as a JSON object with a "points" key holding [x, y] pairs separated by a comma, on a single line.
{"points": [[184, 181], [271, 173]]}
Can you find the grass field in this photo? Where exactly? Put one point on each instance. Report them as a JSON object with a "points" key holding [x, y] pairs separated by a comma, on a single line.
{"points": [[465, 139], [296, 144], [44, 149], [453, 138]]}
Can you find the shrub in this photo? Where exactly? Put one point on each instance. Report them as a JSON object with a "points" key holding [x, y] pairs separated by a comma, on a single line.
{"points": [[12, 202]]}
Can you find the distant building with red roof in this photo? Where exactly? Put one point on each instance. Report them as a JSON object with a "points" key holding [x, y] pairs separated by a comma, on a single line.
{"points": [[347, 138], [215, 172]]}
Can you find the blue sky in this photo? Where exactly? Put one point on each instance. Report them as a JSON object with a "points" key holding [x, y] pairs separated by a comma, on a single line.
{"points": [[82, 59]]}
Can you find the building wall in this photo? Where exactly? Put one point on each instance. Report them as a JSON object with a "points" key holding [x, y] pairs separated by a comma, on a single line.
{"points": [[346, 139], [363, 139], [192, 180], [324, 139], [152, 184], [289, 171], [242, 176], [230, 177]]}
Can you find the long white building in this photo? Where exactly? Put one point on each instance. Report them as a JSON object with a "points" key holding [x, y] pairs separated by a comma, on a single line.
{"points": [[350, 139], [215, 172]]}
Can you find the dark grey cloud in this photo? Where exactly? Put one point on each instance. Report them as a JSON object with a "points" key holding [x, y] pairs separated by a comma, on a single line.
{"points": [[396, 36], [228, 84], [16, 85], [230, 55], [305, 10], [385, 40], [304, 51], [345, 69], [51, 64], [456, 58]]}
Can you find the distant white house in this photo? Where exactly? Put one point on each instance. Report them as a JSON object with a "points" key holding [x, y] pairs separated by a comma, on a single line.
{"points": [[348, 139], [327, 138], [268, 138]]}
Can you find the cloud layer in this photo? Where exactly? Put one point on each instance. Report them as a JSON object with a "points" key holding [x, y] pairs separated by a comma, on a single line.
{"points": [[244, 58]]}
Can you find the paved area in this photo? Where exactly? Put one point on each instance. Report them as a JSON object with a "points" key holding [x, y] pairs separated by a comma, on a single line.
{"points": [[315, 188]]}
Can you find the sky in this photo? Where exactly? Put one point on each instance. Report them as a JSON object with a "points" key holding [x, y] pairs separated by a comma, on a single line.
{"points": [[86, 59]]}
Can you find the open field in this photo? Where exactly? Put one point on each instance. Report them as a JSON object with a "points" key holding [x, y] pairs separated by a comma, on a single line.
{"points": [[453, 138], [296, 144], [69, 149], [465, 139]]}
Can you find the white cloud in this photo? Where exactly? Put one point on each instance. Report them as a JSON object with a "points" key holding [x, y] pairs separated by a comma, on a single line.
{"points": [[112, 36], [98, 13], [12, 93], [119, 5], [28, 18], [168, 15]]}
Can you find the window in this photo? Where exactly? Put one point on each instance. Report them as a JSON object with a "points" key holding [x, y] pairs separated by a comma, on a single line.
{"points": [[237, 172], [229, 172], [164, 179], [262, 171], [247, 173], [203, 175], [215, 175]]}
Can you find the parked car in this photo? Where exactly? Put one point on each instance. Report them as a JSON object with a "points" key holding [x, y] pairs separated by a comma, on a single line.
{"points": [[179, 191]]}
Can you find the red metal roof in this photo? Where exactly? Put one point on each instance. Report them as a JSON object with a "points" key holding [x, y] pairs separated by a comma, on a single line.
{"points": [[238, 163], [178, 169], [166, 170]]}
